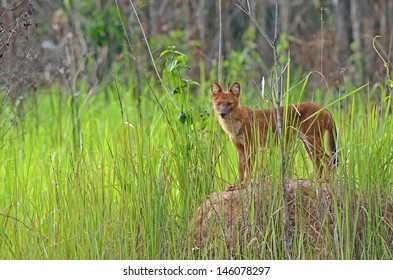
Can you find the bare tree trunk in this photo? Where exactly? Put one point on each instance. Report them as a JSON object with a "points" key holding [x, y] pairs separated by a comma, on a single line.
{"points": [[201, 17], [285, 8], [384, 17], [342, 31], [219, 69], [153, 18], [258, 10], [356, 19], [389, 12], [226, 27], [207, 28], [369, 29]]}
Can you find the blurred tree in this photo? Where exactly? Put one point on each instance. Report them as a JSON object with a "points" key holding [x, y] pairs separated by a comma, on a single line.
{"points": [[90, 36], [17, 53]]}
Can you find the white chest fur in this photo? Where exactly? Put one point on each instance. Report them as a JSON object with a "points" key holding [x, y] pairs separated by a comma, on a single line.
{"points": [[231, 126]]}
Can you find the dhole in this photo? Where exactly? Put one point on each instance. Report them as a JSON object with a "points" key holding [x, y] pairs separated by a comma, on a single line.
{"points": [[249, 128]]}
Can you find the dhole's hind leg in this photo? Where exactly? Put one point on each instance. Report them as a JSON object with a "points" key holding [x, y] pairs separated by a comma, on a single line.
{"points": [[314, 148]]}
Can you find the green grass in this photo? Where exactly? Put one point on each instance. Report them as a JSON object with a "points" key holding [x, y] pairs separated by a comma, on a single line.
{"points": [[127, 186]]}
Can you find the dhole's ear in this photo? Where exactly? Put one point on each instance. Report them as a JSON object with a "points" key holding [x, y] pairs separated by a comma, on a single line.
{"points": [[215, 88], [235, 88]]}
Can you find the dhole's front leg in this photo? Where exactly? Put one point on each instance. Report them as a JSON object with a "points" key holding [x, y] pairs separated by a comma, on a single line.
{"points": [[244, 169]]}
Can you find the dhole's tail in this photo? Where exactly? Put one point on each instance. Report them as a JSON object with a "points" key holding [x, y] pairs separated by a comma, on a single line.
{"points": [[332, 134]]}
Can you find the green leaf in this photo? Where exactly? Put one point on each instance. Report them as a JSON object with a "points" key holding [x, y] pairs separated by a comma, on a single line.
{"points": [[180, 58], [171, 65], [177, 52], [164, 53], [182, 65], [389, 83], [204, 114], [182, 117], [176, 90], [194, 83]]}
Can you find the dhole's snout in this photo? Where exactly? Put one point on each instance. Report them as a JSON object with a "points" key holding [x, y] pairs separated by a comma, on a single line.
{"points": [[223, 114], [223, 110]]}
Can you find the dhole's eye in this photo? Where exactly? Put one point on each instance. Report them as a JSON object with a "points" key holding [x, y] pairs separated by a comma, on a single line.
{"points": [[219, 103], [229, 104]]}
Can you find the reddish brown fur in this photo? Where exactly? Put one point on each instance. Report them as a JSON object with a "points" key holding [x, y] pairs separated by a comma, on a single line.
{"points": [[308, 121]]}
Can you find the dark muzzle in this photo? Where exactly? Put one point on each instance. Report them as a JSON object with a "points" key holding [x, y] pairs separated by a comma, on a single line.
{"points": [[223, 114]]}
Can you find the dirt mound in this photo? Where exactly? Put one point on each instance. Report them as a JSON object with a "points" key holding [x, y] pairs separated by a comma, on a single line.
{"points": [[242, 216]]}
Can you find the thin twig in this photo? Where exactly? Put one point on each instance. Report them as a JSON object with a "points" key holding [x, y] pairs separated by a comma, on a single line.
{"points": [[17, 220], [151, 55], [131, 48], [322, 39], [219, 43], [280, 138], [258, 26], [276, 101], [118, 91]]}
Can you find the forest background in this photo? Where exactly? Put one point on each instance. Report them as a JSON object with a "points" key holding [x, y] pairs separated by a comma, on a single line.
{"points": [[337, 33]]}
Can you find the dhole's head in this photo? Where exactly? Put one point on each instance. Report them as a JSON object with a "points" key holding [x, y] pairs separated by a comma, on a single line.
{"points": [[225, 102]]}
